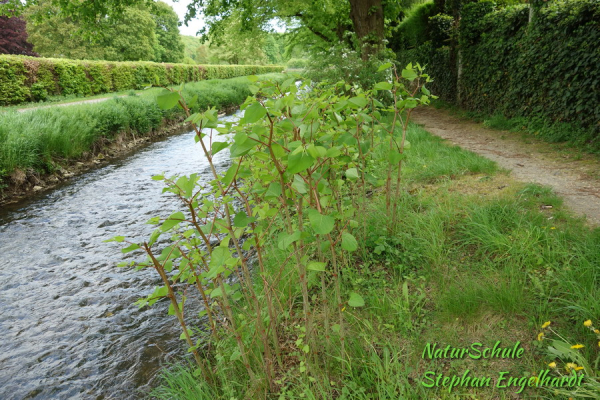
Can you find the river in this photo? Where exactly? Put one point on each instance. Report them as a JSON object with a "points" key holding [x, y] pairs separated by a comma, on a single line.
{"points": [[68, 324]]}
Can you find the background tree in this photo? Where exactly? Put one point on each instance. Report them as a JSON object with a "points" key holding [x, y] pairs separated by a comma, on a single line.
{"points": [[170, 45], [137, 33], [13, 36]]}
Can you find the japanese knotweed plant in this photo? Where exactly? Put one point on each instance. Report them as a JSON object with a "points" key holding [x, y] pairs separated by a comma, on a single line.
{"points": [[304, 161]]}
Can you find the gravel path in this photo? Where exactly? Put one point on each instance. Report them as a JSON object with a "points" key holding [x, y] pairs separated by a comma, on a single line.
{"points": [[70, 104], [572, 176]]}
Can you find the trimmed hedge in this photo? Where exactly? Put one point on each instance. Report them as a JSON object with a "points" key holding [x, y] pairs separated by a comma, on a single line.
{"points": [[548, 69], [24, 79]]}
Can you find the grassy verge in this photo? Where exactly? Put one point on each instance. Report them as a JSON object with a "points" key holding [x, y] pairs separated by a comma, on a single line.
{"points": [[561, 133], [41, 140], [474, 257]]}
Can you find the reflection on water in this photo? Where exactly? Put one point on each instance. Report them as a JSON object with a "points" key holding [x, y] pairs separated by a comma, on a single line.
{"points": [[68, 324]]}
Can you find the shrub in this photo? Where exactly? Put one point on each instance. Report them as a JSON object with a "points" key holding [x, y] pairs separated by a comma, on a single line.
{"points": [[19, 74]]}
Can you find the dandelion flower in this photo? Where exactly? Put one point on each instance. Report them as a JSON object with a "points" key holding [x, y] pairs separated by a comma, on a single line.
{"points": [[587, 323], [597, 331], [546, 324], [552, 365], [570, 366], [553, 227], [540, 336], [578, 368], [577, 346]]}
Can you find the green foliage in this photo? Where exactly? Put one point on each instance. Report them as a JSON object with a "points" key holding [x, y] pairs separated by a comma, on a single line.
{"points": [[544, 71], [414, 29], [341, 63], [170, 45], [138, 33], [34, 139], [513, 60], [32, 79]]}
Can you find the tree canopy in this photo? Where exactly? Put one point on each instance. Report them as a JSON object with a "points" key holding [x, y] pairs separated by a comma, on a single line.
{"points": [[137, 33], [13, 36]]}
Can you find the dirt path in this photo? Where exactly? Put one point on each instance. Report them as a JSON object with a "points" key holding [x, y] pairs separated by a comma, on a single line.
{"points": [[573, 176], [70, 104]]}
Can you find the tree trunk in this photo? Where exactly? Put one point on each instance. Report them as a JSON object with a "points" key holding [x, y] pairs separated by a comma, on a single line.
{"points": [[367, 18]]}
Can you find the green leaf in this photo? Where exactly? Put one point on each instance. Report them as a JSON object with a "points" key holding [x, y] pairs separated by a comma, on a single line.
{"points": [[358, 101], [130, 248], [383, 86], [168, 100], [254, 112], [241, 220], [316, 266], [285, 240], [349, 243], [299, 162], [356, 300], [383, 67], [158, 177], [218, 146], [409, 74], [322, 224], [274, 190], [352, 173], [115, 239], [173, 220]]}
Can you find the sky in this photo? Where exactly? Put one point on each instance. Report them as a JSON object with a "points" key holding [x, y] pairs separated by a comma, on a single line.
{"points": [[180, 8]]}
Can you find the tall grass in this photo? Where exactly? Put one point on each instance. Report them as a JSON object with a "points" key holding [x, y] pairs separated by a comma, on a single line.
{"points": [[40, 139]]}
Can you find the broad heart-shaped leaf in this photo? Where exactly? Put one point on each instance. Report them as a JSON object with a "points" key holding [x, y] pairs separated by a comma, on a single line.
{"points": [[274, 190], [352, 173], [409, 74], [254, 112], [218, 146], [167, 100], [349, 243], [241, 220], [316, 266], [299, 162], [384, 66], [358, 101], [383, 86], [322, 224], [356, 300], [173, 220], [285, 240]]}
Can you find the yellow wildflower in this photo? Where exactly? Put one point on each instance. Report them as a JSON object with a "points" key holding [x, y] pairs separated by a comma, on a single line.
{"points": [[578, 368], [546, 324], [552, 227], [577, 346], [597, 331], [540, 336], [552, 365], [570, 366], [587, 323]]}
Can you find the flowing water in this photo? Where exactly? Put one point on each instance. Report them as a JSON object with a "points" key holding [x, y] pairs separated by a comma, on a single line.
{"points": [[68, 325]]}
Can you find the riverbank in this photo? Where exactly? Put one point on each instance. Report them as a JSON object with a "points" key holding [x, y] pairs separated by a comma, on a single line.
{"points": [[41, 148]]}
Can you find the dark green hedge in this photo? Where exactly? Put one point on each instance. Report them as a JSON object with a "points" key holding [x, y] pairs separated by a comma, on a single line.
{"points": [[24, 79], [548, 69]]}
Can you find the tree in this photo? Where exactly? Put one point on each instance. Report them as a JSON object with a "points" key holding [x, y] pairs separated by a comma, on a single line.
{"points": [[170, 45], [13, 36], [136, 33]]}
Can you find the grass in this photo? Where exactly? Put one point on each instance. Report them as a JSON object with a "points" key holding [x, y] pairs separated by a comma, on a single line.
{"points": [[472, 258], [42, 139]]}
